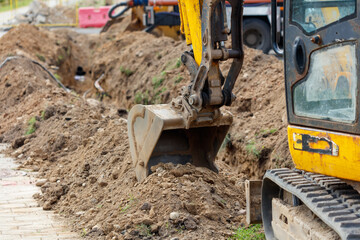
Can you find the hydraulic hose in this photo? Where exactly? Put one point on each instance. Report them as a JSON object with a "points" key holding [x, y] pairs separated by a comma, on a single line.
{"points": [[112, 9]]}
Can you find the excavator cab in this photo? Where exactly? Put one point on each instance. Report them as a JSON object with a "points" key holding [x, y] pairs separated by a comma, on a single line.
{"points": [[192, 128], [321, 57], [321, 64]]}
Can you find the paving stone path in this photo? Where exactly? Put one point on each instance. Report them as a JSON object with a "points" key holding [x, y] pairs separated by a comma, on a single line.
{"points": [[20, 215]]}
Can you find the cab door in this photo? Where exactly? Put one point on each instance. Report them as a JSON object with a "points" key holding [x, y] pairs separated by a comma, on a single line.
{"points": [[321, 57]]}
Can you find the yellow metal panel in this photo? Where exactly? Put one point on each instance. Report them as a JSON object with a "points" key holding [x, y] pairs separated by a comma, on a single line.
{"points": [[191, 25], [343, 162], [185, 28]]}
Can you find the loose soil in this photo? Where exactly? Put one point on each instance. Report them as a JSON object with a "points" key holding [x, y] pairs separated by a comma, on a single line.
{"points": [[79, 144]]}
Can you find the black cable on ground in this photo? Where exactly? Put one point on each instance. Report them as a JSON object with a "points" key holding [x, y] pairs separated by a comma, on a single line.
{"points": [[42, 67]]}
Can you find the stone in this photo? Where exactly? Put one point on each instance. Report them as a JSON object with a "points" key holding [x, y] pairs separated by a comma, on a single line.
{"points": [[242, 212], [155, 228], [191, 208], [79, 213], [190, 224], [174, 215], [35, 168], [49, 112], [147, 221], [47, 206], [18, 142], [93, 179], [103, 183], [152, 213], [41, 182], [146, 206]]}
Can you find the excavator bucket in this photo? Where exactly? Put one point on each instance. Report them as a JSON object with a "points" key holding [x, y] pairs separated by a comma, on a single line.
{"points": [[158, 134]]}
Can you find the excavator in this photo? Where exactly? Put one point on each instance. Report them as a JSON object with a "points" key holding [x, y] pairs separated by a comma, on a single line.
{"points": [[317, 199]]}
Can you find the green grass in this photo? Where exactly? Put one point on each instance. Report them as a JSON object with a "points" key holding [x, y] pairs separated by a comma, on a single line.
{"points": [[126, 71], [40, 57], [173, 64], [83, 233], [5, 5], [43, 115], [127, 206], [251, 148], [144, 230], [142, 98], [31, 126], [178, 79], [268, 131], [157, 81], [253, 232], [57, 76]]}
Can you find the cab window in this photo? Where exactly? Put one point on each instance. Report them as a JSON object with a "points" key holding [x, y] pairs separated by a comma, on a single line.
{"points": [[312, 15]]}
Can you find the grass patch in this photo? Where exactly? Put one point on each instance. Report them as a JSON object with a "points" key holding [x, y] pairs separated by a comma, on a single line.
{"points": [[171, 65], [126, 71], [31, 126], [83, 233], [57, 76], [127, 206], [267, 132], [40, 57], [253, 232], [142, 98], [144, 230], [157, 96], [60, 58], [178, 79], [5, 5], [42, 116], [157, 81], [251, 148]]}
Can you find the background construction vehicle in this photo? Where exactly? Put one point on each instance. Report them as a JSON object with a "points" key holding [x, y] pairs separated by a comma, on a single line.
{"points": [[162, 15], [257, 22]]}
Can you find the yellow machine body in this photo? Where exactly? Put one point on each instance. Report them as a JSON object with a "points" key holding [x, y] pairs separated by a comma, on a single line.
{"points": [[324, 152], [191, 25]]}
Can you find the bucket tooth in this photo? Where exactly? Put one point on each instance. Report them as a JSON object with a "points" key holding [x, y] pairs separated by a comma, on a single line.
{"points": [[158, 134]]}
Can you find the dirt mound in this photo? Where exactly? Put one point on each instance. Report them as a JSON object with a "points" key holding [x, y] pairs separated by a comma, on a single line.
{"points": [[138, 67], [61, 51], [80, 145], [257, 140], [24, 89]]}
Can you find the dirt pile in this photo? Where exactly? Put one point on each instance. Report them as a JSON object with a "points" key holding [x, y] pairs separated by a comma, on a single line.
{"points": [[40, 13], [138, 67], [257, 140], [80, 145], [60, 51]]}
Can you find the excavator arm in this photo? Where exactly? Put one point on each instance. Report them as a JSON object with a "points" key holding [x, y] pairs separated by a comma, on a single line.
{"points": [[206, 29], [192, 127]]}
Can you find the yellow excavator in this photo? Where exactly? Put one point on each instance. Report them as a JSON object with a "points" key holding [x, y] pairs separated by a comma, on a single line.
{"points": [[319, 198]]}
